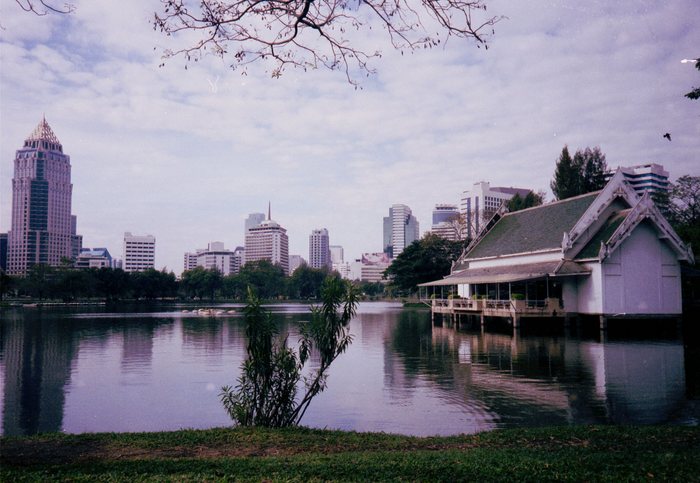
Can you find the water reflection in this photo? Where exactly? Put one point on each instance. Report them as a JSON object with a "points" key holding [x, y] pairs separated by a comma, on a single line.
{"points": [[160, 370], [36, 361]]}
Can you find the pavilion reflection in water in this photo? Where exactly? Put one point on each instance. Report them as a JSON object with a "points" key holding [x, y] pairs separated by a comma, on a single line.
{"points": [[576, 381]]}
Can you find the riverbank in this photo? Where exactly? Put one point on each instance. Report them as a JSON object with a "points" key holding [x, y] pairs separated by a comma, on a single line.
{"points": [[577, 453]]}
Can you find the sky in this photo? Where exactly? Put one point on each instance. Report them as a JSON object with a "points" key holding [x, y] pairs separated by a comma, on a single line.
{"points": [[187, 154]]}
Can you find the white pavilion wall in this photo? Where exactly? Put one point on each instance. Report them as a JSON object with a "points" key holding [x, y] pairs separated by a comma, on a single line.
{"points": [[590, 291], [642, 276]]}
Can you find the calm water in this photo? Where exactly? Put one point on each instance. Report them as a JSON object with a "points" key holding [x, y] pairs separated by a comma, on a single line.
{"points": [[88, 370]]}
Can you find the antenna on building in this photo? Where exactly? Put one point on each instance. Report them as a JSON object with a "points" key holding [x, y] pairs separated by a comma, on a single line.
{"points": [[268, 211]]}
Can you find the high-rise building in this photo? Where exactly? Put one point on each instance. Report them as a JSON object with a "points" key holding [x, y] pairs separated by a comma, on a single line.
{"points": [[41, 203], [238, 259], [319, 249], [481, 202], [400, 230], [268, 241], [446, 221], [646, 177], [338, 263], [189, 261], [253, 220], [139, 252], [76, 240], [337, 254]]}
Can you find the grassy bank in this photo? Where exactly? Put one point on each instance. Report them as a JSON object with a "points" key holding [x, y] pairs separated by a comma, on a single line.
{"points": [[572, 453]]}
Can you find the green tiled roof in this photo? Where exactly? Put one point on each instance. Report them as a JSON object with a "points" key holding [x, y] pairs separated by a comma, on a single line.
{"points": [[533, 229], [603, 235]]}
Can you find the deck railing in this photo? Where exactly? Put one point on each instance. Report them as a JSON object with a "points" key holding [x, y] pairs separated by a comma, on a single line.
{"points": [[534, 307]]}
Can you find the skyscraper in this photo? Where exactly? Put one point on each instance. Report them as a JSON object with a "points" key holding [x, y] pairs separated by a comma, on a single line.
{"points": [[268, 241], [481, 202], [41, 203], [400, 230], [319, 250], [337, 254], [446, 221], [253, 220], [646, 177], [139, 252]]}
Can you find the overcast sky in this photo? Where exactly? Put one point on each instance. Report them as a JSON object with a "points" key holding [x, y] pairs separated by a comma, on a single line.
{"points": [[185, 155]]}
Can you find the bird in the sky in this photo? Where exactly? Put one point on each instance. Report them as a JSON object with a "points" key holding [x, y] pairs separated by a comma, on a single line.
{"points": [[667, 136]]}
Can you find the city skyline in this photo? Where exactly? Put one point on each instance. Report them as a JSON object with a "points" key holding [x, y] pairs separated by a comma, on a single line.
{"points": [[187, 155]]}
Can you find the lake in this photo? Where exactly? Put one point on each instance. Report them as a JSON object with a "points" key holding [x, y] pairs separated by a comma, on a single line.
{"points": [[155, 368]]}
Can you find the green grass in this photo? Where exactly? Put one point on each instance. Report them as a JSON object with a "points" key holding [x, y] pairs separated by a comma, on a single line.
{"points": [[600, 453]]}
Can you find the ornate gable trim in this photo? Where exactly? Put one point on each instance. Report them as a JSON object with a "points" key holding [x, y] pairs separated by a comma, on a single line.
{"points": [[646, 209], [616, 188]]}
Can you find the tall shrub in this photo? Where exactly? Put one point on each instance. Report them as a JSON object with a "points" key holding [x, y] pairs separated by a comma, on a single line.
{"points": [[266, 394]]}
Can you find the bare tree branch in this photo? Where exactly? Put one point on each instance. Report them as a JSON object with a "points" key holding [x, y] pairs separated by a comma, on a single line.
{"points": [[310, 34], [43, 7]]}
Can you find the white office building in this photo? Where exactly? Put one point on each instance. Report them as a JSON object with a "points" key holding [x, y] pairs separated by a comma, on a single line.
{"points": [[190, 260], [446, 221], [646, 177], [481, 202], [319, 249], [253, 220], [337, 254], [268, 241], [370, 268], [94, 258], [400, 230], [139, 252], [215, 256]]}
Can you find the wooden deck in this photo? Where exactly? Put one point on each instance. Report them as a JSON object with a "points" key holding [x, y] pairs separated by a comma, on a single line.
{"points": [[512, 309]]}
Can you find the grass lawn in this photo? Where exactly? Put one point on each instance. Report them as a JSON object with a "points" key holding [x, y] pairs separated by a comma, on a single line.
{"points": [[576, 453]]}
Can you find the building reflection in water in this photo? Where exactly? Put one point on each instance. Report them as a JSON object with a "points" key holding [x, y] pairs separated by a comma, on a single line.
{"points": [[140, 371], [555, 380], [37, 355]]}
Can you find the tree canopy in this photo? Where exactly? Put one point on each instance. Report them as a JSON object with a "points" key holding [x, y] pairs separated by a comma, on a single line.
{"points": [[684, 209], [315, 33], [517, 202], [583, 173], [429, 258]]}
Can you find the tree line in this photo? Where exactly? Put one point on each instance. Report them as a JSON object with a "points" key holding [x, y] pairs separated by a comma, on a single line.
{"points": [[267, 280]]}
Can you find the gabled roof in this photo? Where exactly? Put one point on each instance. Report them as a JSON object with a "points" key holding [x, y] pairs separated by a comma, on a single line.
{"points": [[531, 230], [621, 224], [592, 248]]}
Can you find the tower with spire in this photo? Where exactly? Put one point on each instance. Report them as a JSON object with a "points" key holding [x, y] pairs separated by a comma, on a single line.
{"points": [[268, 241], [42, 230]]}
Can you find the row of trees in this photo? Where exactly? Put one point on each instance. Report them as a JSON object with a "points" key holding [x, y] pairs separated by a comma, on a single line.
{"points": [[67, 284], [44, 282], [268, 280]]}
